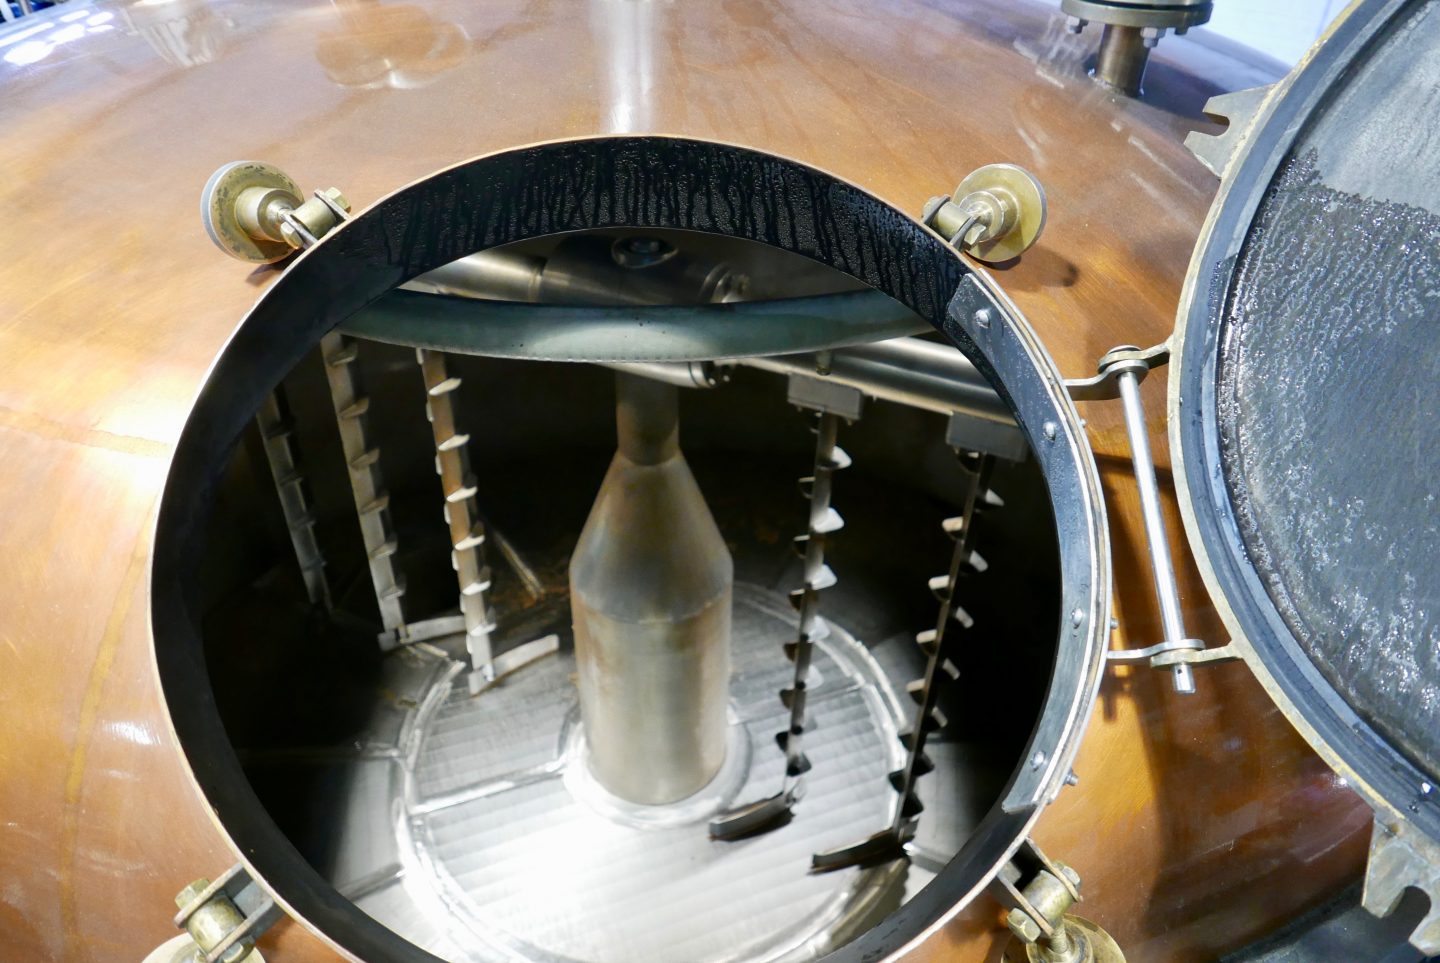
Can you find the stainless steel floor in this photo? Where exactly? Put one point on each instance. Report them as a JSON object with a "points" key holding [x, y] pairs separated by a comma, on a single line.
{"points": [[470, 825]]}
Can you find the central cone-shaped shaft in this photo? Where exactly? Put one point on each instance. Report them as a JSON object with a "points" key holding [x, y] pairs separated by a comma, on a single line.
{"points": [[650, 591]]}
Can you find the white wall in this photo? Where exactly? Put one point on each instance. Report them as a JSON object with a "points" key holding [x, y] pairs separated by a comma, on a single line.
{"points": [[1284, 29]]}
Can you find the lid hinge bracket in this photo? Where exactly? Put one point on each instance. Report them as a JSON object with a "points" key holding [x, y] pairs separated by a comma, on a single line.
{"points": [[1039, 893], [225, 917], [1121, 371]]}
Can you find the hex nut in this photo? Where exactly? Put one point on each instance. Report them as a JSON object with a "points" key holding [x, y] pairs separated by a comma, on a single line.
{"points": [[1023, 926], [189, 894]]}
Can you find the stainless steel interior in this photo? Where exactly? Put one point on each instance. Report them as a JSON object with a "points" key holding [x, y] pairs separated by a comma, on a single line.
{"points": [[469, 815]]}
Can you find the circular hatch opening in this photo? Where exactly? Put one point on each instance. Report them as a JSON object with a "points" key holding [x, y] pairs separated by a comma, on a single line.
{"points": [[365, 588]]}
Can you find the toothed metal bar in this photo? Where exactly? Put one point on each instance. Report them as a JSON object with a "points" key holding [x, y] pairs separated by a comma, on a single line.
{"points": [[824, 521], [372, 503], [817, 576], [890, 842], [277, 435], [939, 669], [467, 532]]}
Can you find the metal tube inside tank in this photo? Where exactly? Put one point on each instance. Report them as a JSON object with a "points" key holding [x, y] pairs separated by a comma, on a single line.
{"points": [[650, 595]]}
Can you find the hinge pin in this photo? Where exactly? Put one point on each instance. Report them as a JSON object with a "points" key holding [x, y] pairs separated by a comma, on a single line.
{"points": [[1121, 371]]}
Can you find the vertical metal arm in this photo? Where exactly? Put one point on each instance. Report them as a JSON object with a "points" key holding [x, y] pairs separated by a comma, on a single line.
{"points": [[938, 645], [372, 502], [467, 532], [824, 521], [1121, 371], [1163, 572], [277, 434]]}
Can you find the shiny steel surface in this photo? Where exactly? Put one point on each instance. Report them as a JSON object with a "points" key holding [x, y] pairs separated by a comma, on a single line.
{"points": [[1162, 570], [113, 305], [503, 275], [532, 859], [650, 597], [633, 333]]}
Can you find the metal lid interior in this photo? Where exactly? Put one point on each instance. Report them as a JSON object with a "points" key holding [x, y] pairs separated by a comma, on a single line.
{"points": [[1303, 402]]}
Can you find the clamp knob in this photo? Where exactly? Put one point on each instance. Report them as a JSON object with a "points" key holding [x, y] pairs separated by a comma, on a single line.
{"points": [[255, 212], [997, 213]]}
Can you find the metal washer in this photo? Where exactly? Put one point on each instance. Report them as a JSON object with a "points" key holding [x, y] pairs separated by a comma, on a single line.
{"points": [[218, 209]]}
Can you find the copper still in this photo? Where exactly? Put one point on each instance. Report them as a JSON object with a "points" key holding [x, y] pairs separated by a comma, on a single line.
{"points": [[427, 579]]}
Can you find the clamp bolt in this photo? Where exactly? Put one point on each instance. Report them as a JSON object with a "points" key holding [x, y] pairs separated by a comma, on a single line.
{"points": [[996, 214], [212, 921], [256, 212]]}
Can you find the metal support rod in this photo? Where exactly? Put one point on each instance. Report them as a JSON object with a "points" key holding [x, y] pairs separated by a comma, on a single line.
{"points": [[534, 586], [467, 532], [908, 371], [1163, 572], [681, 374], [823, 521], [501, 275], [889, 843]]}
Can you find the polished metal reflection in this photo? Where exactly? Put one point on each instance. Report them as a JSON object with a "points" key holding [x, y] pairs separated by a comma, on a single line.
{"points": [[508, 849], [670, 332], [650, 586], [625, 33]]}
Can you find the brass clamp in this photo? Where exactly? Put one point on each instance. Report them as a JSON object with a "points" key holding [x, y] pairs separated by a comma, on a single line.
{"points": [[997, 213], [226, 917], [1121, 371], [1040, 893], [255, 212]]}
